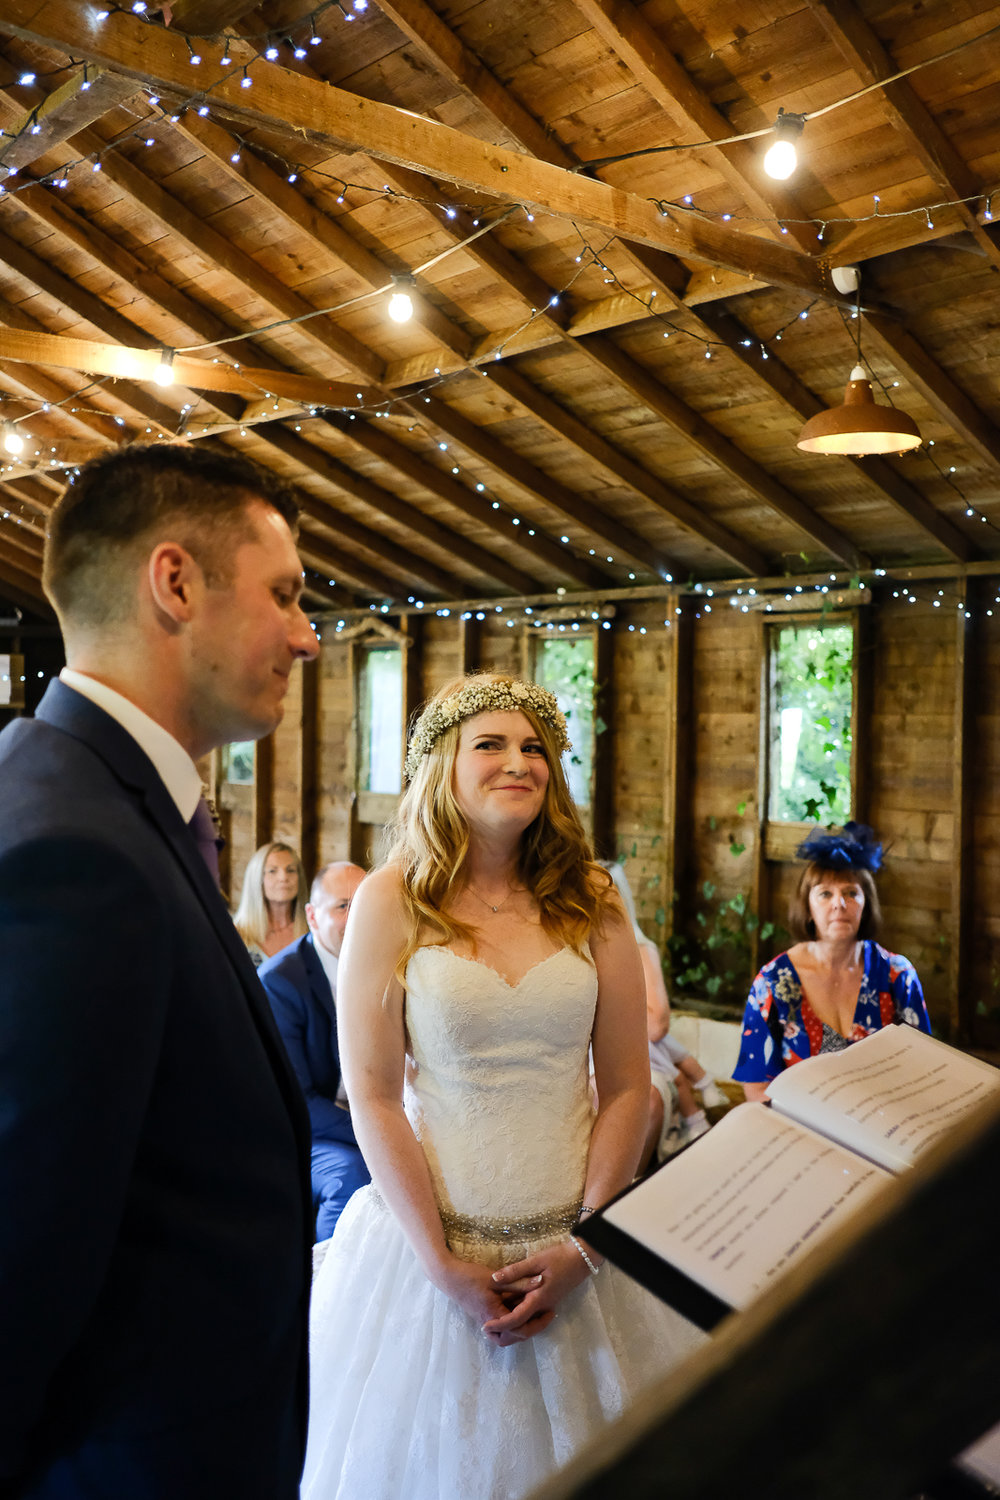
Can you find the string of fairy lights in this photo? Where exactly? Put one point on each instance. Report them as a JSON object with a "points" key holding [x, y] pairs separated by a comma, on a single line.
{"points": [[293, 42]]}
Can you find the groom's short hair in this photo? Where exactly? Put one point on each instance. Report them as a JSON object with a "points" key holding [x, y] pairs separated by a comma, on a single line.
{"points": [[117, 507]]}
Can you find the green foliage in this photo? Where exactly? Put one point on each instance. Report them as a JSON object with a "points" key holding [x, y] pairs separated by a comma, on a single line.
{"points": [[718, 960], [565, 665], [810, 765], [717, 956]]}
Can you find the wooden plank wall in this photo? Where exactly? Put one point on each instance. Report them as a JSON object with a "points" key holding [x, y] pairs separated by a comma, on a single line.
{"points": [[685, 719]]}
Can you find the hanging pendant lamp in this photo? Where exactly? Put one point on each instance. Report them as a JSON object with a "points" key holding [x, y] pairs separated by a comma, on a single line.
{"points": [[859, 426]]}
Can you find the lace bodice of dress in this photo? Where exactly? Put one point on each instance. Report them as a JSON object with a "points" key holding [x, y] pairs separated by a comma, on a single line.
{"points": [[498, 1091]]}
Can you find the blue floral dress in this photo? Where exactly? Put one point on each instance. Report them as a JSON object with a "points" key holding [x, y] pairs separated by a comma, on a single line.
{"points": [[777, 1009]]}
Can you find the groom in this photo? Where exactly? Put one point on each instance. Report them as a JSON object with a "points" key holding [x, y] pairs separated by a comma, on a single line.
{"points": [[154, 1148]]}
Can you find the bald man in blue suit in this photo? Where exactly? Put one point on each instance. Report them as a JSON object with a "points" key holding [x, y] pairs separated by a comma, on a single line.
{"points": [[301, 984], [155, 1234]]}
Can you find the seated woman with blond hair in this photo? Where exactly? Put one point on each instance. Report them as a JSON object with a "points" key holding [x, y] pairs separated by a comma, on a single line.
{"points": [[272, 909]]}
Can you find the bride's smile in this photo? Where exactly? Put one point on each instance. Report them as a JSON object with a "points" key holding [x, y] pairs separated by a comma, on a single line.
{"points": [[500, 770]]}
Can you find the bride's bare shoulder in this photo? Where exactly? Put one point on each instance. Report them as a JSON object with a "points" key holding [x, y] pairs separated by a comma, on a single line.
{"points": [[380, 895]]}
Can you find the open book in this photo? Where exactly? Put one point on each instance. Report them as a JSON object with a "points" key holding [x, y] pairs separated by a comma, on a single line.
{"points": [[712, 1229]]}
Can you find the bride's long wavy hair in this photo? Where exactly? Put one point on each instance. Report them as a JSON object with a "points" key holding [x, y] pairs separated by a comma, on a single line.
{"points": [[428, 841]]}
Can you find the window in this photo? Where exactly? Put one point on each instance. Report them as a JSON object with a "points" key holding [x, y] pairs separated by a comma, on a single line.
{"points": [[380, 697], [810, 716], [238, 762], [566, 667]]}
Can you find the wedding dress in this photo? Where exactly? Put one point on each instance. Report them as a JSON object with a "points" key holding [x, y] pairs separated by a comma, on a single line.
{"points": [[409, 1399]]}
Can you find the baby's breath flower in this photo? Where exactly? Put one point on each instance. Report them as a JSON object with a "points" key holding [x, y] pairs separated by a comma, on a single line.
{"points": [[489, 695]]}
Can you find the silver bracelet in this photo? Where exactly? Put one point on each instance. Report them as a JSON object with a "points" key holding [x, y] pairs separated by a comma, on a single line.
{"points": [[586, 1258], [587, 1208]]}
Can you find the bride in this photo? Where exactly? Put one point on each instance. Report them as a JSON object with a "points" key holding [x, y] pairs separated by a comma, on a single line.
{"points": [[465, 1342]]}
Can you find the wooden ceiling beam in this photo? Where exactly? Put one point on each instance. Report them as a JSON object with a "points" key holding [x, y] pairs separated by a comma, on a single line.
{"points": [[73, 106], [460, 65], [719, 451], [625, 469], [779, 379], [28, 563], [58, 215], [862, 50], [384, 447], [330, 237], [923, 372], [35, 497], [194, 374], [630, 36], [332, 472], [20, 539], [324, 553], [209, 17], [41, 387], [557, 322], [296, 105], [23, 590], [215, 249], [315, 597], [106, 320], [426, 28], [628, 544], [274, 190]]}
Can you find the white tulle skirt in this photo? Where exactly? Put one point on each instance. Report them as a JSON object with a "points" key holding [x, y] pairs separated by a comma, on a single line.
{"points": [[409, 1400]]}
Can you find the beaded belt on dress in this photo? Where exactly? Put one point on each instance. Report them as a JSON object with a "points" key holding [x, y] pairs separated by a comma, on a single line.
{"points": [[487, 1231]]}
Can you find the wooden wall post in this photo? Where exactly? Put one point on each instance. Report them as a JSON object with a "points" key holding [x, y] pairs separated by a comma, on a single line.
{"points": [[469, 640], [760, 875], [263, 792], [862, 683], [412, 626], [677, 767], [602, 806], [308, 788], [961, 1004]]}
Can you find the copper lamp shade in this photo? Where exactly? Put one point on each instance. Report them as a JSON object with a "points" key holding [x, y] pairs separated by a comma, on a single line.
{"points": [[859, 426]]}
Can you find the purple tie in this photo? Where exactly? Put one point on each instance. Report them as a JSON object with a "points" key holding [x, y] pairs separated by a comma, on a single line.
{"points": [[202, 825]]}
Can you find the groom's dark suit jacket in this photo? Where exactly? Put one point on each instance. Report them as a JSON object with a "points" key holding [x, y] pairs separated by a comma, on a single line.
{"points": [[155, 1226]]}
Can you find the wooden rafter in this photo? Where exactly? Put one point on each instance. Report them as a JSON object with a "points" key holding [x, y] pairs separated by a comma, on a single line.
{"points": [[20, 539], [195, 374], [953, 179], [19, 584], [640, 48], [313, 459], [76, 104], [625, 469], [208, 17], [958, 410], [718, 449], [776, 375], [320, 550], [558, 323], [628, 544], [435, 38], [381, 445], [328, 235], [651, 62], [331, 117]]}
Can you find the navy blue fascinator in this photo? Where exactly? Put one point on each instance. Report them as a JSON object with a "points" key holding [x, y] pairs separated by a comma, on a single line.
{"points": [[853, 847]]}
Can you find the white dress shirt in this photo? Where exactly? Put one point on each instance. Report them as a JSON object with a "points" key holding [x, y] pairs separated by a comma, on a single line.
{"points": [[177, 770]]}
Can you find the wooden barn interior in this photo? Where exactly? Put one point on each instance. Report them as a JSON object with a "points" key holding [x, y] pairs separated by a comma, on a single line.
{"points": [[587, 430]]}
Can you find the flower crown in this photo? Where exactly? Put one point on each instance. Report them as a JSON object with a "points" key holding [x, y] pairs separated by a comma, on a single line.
{"points": [[854, 847], [480, 695]]}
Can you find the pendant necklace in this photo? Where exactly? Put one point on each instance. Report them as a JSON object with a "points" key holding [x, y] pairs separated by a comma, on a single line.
{"points": [[500, 905]]}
